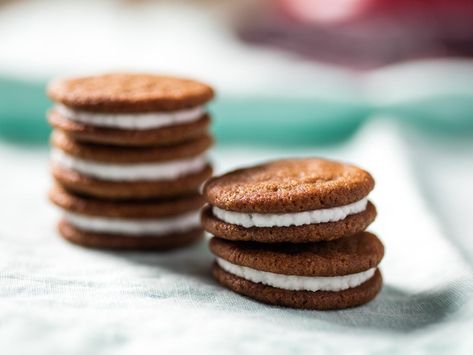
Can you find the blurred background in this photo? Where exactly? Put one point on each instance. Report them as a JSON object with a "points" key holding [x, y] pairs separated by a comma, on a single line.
{"points": [[287, 71]]}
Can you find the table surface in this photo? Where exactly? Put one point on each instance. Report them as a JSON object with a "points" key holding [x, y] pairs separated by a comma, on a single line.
{"points": [[59, 298]]}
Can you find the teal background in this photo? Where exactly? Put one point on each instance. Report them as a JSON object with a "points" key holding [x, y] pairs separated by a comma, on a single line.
{"points": [[259, 119]]}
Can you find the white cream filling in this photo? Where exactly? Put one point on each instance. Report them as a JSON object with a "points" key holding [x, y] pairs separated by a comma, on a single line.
{"points": [[325, 215], [130, 172], [139, 121], [134, 227], [297, 283]]}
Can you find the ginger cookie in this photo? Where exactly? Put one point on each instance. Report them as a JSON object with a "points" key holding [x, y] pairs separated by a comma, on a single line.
{"points": [[130, 109], [106, 171], [296, 200], [325, 275], [151, 224]]}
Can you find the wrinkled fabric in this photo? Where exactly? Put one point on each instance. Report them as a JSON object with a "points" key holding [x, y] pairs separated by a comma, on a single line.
{"points": [[58, 298]]}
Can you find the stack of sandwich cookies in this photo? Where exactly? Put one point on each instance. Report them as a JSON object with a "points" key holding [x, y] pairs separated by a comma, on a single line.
{"points": [[291, 233], [128, 158]]}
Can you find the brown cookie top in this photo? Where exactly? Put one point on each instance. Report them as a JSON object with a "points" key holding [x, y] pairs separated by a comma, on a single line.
{"points": [[292, 185], [335, 258], [320, 300], [129, 92], [124, 209], [118, 154]]}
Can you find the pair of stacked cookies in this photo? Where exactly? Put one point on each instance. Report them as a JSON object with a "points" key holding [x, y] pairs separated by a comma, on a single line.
{"points": [[292, 233], [128, 159]]}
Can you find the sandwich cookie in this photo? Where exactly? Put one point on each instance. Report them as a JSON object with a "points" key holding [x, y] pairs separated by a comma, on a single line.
{"points": [[297, 201], [130, 109], [325, 275], [150, 224], [129, 172]]}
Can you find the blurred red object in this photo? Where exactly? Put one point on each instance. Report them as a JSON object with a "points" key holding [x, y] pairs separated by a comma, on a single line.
{"points": [[323, 11], [366, 33]]}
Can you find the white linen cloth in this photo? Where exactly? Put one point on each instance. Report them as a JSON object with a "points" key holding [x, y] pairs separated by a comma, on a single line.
{"points": [[57, 298]]}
